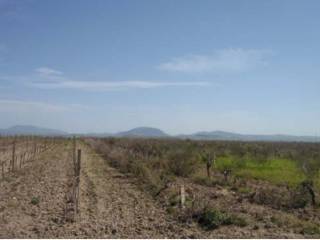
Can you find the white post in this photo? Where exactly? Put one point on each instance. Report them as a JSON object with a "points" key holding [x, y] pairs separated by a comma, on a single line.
{"points": [[183, 196]]}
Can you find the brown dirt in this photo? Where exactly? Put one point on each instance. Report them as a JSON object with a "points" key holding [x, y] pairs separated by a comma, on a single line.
{"points": [[43, 180], [110, 204]]}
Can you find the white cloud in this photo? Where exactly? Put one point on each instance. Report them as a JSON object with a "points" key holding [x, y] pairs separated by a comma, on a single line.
{"points": [[113, 85], [221, 61], [45, 71], [47, 78]]}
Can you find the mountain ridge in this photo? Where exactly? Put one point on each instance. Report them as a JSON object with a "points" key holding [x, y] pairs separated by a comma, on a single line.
{"points": [[31, 130], [151, 132], [143, 132]]}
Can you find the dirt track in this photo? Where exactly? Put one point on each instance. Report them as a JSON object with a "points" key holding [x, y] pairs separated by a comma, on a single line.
{"points": [[110, 205]]}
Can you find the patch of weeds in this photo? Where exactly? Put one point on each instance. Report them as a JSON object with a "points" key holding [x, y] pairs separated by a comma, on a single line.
{"points": [[174, 200], [204, 181], [244, 190], [171, 210], [299, 201], [275, 170], [278, 198], [211, 219], [221, 182], [310, 229], [35, 201], [238, 221], [276, 221]]}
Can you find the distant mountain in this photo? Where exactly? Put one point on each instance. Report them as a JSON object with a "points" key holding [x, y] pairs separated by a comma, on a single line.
{"points": [[31, 130], [149, 132], [216, 135], [143, 132], [221, 135]]}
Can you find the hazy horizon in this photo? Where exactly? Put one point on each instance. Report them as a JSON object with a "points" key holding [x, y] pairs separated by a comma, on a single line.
{"points": [[156, 128], [249, 67]]}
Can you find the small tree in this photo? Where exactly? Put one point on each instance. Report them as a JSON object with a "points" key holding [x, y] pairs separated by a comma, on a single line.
{"points": [[308, 186], [209, 159], [226, 173], [310, 169]]}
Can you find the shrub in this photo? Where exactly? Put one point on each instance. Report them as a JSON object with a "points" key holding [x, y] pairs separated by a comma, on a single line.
{"points": [[35, 201], [151, 180], [211, 219], [300, 197], [310, 230], [281, 198], [277, 198], [238, 221], [181, 163]]}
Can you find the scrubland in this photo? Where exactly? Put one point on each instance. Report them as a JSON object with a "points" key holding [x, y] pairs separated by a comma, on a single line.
{"points": [[160, 188], [268, 189]]}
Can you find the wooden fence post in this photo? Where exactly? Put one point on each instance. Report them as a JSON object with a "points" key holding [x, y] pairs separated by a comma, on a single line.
{"points": [[13, 155], [34, 150], [78, 178], [79, 162], [2, 165], [74, 153]]}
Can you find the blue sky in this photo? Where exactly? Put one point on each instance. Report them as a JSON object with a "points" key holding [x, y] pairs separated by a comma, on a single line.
{"points": [[182, 66]]}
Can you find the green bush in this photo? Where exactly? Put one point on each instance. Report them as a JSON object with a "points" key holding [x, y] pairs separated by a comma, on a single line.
{"points": [[211, 219], [35, 201]]}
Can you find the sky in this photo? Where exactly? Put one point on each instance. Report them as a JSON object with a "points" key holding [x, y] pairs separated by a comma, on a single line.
{"points": [[182, 66]]}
